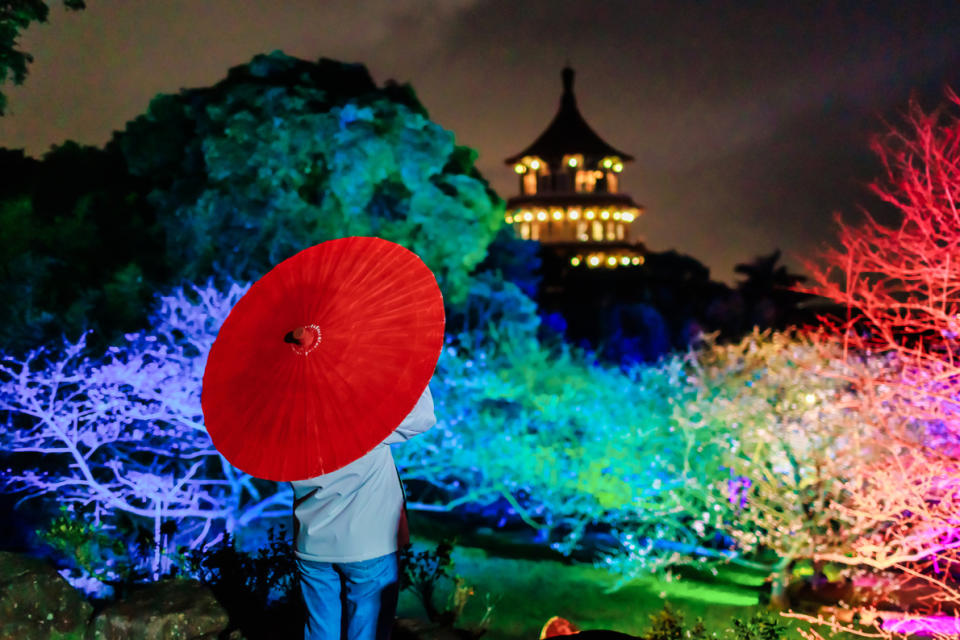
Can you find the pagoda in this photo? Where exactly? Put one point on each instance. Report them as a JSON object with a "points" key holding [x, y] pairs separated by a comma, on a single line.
{"points": [[570, 199]]}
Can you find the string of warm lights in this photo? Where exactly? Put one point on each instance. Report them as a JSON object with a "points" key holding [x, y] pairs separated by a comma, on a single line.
{"points": [[609, 260], [570, 213]]}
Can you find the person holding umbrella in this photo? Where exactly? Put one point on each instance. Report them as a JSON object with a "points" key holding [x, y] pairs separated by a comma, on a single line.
{"points": [[319, 367], [348, 527]]}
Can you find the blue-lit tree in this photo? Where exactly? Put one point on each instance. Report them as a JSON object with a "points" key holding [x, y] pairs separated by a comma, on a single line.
{"points": [[122, 435]]}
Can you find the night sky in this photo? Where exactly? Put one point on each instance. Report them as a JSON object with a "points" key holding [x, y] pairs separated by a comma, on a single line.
{"points": [[749, 121]]}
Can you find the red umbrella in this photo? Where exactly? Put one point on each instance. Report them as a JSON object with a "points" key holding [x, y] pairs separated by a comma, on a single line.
{"points": [[322, 358]]}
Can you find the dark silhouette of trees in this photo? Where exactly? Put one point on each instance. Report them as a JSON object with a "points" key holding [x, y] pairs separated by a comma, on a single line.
{"points": [[768, 293]]}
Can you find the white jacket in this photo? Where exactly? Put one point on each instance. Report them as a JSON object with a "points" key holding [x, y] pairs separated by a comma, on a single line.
{"points": [[355, 512]]}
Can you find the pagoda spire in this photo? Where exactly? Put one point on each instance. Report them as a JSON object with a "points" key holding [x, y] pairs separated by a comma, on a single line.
{"points": [[567, 76]]}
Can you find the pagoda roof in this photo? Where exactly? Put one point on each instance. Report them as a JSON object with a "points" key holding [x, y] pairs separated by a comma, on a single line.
{"points": [[568, 133], [577, 199]]}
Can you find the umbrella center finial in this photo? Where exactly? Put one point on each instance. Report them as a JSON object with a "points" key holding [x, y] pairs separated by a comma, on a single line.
{"points": [[304, 339]]}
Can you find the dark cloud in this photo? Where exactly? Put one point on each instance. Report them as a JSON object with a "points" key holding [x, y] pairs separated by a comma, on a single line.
{"points": [[749, 120]]}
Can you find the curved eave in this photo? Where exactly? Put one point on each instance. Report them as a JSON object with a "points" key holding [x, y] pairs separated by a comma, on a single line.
{"points": [[574, 200], [569, 133]]}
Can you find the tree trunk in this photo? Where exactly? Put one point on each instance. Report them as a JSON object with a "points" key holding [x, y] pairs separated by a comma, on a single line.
{"points": [[779, 581]]}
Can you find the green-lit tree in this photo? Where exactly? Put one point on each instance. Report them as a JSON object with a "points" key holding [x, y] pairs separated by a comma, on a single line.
{"points": [[285, 153], [230, 180]]}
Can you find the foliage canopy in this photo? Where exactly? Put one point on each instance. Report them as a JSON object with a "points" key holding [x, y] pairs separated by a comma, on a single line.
{"points": [[284, 154]]}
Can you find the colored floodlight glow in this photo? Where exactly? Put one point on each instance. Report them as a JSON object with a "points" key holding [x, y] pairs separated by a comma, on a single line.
{"points": [[923, 625]]}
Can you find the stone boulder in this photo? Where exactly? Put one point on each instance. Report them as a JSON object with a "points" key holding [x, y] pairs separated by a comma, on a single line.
{"points": [[36, 602], [166, 610]]}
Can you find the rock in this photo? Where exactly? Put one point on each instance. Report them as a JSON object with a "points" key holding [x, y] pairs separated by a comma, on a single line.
{"points": [[166, 610], [36, 602]]}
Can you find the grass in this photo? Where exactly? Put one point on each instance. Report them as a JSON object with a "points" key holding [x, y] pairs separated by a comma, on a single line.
{"points": [[528, 591]]}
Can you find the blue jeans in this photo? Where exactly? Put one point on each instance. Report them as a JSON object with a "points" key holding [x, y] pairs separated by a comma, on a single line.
{"points": [[352, 600]]}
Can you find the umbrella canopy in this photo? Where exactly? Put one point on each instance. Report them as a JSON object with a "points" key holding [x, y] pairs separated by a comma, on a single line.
{"points": [[322, 358]]}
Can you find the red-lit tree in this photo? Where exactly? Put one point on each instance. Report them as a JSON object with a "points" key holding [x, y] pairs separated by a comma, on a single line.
{"points": [[900, 285]]}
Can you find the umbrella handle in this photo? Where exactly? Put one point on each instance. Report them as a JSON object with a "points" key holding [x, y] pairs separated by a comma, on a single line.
{"points": [[303, 339]]}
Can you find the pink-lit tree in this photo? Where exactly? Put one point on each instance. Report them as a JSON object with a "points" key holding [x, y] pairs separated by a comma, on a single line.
{"points": [[900, 285]]}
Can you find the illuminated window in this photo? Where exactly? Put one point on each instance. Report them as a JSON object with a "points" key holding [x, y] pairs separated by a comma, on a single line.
{"points": [[611, 234], [582, 232], [619, 232], [530, 182], [586, 181], [613, 182], [535, 232], [597, 230], [525, 231]]}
